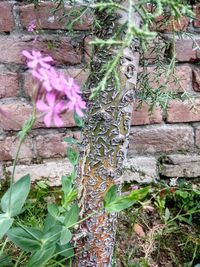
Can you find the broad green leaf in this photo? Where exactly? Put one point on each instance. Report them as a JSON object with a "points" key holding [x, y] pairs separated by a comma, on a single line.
{"points": [[28, 239], [139, 193], [69, 198], [119, 204], [53, 210], [20, 191], [72, 216], [65, 237], [66, 250], [50, 222], [52, 236], [5, 224], [181, 193], [67, 182], [5, 260], [79, 121], [72, 156], [111, 194], [41, 257]]}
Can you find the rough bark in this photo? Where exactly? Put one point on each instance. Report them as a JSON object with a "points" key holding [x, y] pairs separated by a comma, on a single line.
{"points": [[105, 142]]}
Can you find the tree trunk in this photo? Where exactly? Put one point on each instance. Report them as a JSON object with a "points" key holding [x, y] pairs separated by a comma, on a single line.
{"points": [[105, 142]]}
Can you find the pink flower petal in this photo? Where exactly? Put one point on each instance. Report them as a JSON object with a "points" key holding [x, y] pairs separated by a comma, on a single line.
{"points": [[51, 98], [57, 120], [48, 119], [42, 106]]}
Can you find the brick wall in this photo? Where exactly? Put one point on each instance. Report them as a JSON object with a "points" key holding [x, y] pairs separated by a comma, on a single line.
{"points": [[175, 134]]}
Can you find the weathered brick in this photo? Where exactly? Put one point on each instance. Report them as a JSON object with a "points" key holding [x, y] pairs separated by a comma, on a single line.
{"points": [[6, 17], [14, 114], [62, 51], [51, 145], [187, 111], [142, 115], [185, 52], [179, 81], [46, 19], [165, 138], [80, 76], [187, 166], [197, 137], [8, 149], [8, 84], [196, 21], [196, 79], [49, 171], [141, 170]]}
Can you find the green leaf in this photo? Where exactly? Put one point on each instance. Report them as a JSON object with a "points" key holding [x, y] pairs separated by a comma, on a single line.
{"points": [[116, 203], [5, 260], [182, 194], [69, 198], [70, 140], [66, 250], [79, 121], [50, 221], [52, 235], [139, 194], [20, 191], [72, 216], [53, 210], [65, 237], [41, 257], [28, 239], [42, 184], [119, 204], [111, 194], [5, 224], [72, 156], [67, 183]]}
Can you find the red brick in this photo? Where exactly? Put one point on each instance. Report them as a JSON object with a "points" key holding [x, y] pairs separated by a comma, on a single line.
{"points": [[80, 75], [196, 22], [182, 74], [88, 48], [185, 52], [51, 145], [14, 114], [197, 137], [165, 138], [170, 25], [187, 111], [6, 17], [196, 79], [8, 149], [8, 84], [46, 19], [153, 52], [142, 116], [63, 52]]}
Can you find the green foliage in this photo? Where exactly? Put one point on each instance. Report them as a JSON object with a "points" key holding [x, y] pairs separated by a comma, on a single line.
{"points": [[116, 203], [165, 236], [14, 199]]}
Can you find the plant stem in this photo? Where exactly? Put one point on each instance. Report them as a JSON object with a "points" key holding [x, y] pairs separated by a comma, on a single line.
{"points": [[4, 244]]}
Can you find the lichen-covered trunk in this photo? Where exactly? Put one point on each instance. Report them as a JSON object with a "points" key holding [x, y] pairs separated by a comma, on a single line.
{"points": [[105, 143]]}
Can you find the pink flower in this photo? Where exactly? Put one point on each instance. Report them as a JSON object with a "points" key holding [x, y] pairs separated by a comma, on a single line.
{"points": [[32, 26], [37, 60], [52, 110], [45, 76]]}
